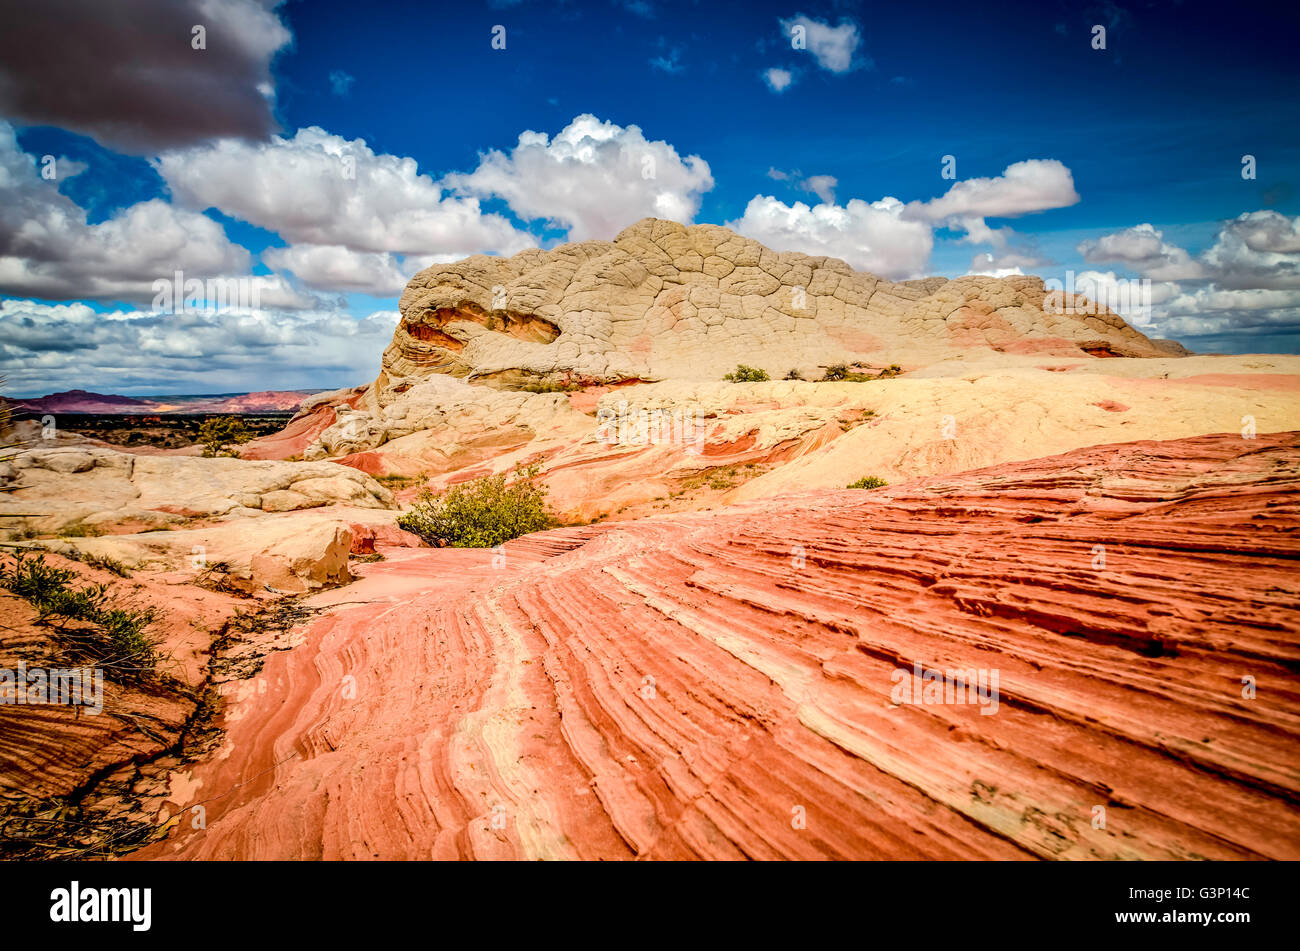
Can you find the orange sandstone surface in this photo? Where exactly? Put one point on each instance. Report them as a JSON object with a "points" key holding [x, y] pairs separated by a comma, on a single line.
{"points": [[725, 684], [59, 750], [294, 438]]}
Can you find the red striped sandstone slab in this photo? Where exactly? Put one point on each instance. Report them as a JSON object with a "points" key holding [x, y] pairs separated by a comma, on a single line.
{"points": [[718, 685]]}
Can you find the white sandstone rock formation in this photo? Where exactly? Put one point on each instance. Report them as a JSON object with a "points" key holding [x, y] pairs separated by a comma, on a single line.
{"points": [[663, 301], [49, 489]]}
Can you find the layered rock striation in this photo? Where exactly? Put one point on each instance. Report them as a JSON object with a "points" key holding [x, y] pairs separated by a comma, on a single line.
{"points": [[729, 684]]}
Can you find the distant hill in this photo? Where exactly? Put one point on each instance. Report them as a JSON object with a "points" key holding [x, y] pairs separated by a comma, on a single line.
{"points": [[83, 401]]}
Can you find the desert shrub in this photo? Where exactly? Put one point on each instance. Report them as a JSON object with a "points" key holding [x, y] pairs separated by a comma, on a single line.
{"points": [[107, 563], [219, 433], [482, 513], [104, 562], [840, 372], [868, 482], [719, 479], [116, 638], [793, 375], [79, 529], [32, 579], [744, 374], [552, 386], [397, 482], [848, 422], [125, 631]]}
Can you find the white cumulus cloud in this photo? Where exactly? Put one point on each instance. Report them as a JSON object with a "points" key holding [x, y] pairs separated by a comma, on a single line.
{"points": [[1247, 283], [1004, 263], [1023, 188], [894, 240], [48, 249], [332, 267], [319, 188], [593, 178], [1143, 249], [1256, 250], [1260, 249], [868, 236], [832, 46], [777, 79]]}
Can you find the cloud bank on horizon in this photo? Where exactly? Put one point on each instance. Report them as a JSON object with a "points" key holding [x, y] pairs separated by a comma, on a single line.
{"points": [[273, 148]]}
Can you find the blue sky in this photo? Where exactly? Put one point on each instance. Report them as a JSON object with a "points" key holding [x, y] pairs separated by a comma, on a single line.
{"points": [[1123, 162]]}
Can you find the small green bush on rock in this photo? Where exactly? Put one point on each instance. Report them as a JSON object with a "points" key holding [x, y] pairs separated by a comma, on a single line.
{"points": [[839, 372], [868, 482], [482, 513], [116, 638], [744, 374]]}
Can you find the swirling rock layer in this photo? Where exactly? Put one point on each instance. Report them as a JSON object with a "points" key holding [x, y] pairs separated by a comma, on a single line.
{"points": [[49, 750], [721, 685], [622, 452]]}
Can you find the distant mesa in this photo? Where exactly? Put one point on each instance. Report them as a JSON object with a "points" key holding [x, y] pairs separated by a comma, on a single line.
{"points": [[265, 401], [83, 401]]}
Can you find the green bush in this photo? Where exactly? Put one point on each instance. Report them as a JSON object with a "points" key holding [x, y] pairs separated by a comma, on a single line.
{"points": [[397, 482], [79, 529], [107, 563], [744, 374], [483, 513], [117, 640], [840, 372], [103, 562], [32, 579], [793, 375], [552, 386], [219, 433], [868, 482], [127, 643]]}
